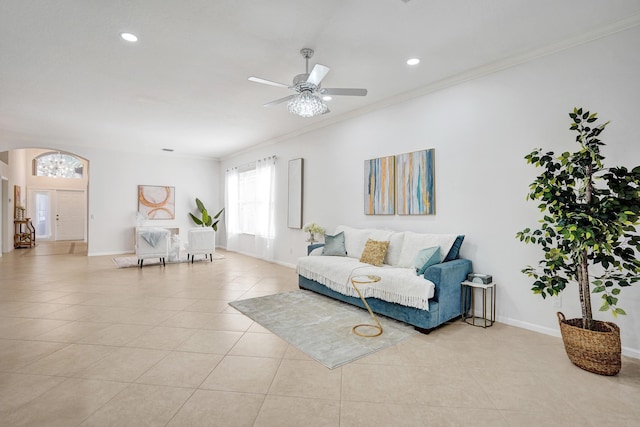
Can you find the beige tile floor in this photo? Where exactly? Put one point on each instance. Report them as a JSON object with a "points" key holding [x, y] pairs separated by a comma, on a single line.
{"points": [[85, 343]]}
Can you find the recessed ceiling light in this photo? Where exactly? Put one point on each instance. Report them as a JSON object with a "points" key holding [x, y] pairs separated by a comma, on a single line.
{"points": [[413, 61], [129, 37], [327, 98]]}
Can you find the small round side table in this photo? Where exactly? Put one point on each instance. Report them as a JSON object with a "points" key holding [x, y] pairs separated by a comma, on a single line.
{"points": [[365, 280]]}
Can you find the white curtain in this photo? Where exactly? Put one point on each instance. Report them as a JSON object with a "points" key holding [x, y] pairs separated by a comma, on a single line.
{"points": [[231, 207], [265, 208]]}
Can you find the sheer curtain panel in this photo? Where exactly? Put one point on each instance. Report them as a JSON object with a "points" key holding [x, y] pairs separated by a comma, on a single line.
{"points": [[250, 204], [231, 206]]}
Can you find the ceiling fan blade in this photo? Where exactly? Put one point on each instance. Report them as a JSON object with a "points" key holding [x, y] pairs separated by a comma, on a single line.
{"points": [[317, 74], [343, 91], [267, 82], [279, 101]]}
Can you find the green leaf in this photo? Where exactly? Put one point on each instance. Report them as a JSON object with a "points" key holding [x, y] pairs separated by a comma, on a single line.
{"points": [[620, 311], [195, 219], [200, 205], [218, 214]]}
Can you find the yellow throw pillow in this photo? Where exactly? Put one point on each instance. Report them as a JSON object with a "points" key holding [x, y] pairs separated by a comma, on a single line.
{"points": [[374, 252]]}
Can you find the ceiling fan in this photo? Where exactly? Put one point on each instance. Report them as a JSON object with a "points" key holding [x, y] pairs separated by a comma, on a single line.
{"points": [[305, 101]]}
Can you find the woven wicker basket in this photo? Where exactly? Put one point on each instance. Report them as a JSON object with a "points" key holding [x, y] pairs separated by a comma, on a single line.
{"points": [[596, 350]]}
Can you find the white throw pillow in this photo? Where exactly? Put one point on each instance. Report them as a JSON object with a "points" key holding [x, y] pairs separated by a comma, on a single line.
{"points": [[354, 239], [414, 242], [380, 235], [395, 249]]}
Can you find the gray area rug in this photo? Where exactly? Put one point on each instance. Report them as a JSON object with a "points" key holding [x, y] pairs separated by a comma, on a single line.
{"points": [[321, 326], [132, 261]]}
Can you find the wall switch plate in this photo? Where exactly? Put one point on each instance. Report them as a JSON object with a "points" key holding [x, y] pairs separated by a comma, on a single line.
{"points": [[557, 301]]}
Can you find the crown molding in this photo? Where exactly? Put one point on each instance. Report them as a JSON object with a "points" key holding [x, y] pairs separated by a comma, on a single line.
{"points": [[627, 23]]}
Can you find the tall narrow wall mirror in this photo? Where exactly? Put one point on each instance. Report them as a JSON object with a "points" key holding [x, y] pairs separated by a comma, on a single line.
{"points": [[295, 193]]}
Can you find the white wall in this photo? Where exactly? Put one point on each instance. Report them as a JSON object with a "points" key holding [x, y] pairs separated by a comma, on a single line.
{"points": [[113, 184], [15, 172], [481, 130], [113, 198]]}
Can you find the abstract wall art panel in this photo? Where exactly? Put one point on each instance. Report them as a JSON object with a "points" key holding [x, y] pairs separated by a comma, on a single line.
{"points": [[157, 202], [379, 186], [415, 183]]}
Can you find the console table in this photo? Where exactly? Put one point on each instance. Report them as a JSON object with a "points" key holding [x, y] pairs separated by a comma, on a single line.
{"points": [[24, 235]]}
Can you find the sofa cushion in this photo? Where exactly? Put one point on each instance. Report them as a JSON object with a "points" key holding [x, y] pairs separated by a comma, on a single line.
{"points": [[380, 235], [426, 258], [455, 249], [395, 248], [354, 239], [334, 245], [374, 252], [397, 285], [316, 251], [414, 242]]}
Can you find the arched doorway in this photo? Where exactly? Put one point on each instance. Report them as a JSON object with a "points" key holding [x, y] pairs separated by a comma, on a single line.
{"points": [[55, 197]]}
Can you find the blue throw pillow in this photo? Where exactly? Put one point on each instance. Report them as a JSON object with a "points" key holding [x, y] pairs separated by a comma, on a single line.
{"points": [[426, 258], [334, 245], [455, 249]]}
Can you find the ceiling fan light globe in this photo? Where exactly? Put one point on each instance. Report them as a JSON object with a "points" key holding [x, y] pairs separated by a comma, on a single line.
{"points": [[306, 105]]}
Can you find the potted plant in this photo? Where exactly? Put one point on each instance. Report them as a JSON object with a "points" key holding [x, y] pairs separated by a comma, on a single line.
{"points": [[312, 228], [589, 237], [205, 219]]}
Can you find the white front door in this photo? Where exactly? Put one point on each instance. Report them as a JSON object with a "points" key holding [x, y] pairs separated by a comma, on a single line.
{"points": [[70, 215]]}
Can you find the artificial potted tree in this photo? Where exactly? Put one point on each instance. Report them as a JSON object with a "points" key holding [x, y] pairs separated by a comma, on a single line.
{"points": [[588, 235]]}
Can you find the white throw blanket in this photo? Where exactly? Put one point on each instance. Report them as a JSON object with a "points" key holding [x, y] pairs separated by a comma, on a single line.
{"points": [[397, 285], [153, 235]]}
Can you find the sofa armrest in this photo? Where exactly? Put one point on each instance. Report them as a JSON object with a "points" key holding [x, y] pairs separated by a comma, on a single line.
{"points": [[314, 246], [447, 277]]}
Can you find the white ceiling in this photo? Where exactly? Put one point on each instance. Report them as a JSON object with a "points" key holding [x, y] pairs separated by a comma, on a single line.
{"points": [[66, 77]]}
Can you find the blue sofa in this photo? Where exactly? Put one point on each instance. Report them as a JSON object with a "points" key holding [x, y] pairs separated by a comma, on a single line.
{"points": [[444, 306]]}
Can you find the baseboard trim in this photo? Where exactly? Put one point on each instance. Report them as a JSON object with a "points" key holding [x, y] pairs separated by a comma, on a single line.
{"points": [[282, 263], [555, 332], [110, 253], [626, 351]]}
